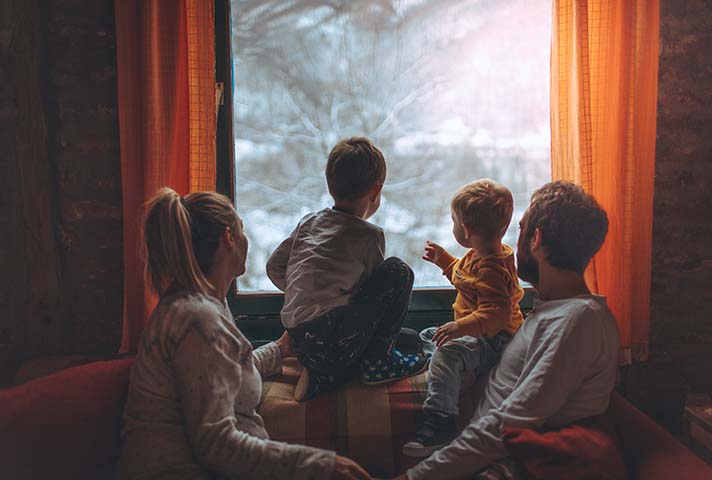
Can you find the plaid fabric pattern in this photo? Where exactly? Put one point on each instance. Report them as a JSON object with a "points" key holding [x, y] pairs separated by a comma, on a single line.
{"points": [[369, 424]]}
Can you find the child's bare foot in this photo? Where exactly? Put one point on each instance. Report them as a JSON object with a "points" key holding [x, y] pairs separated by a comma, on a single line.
{"points": [[285, 346]]}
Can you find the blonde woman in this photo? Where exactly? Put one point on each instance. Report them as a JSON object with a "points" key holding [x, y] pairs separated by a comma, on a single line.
{"points": [[194, 387]]}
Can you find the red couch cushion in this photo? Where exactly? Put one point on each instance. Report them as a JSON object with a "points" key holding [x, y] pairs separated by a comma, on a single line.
{"points": [[587, 449], [65, 425]]}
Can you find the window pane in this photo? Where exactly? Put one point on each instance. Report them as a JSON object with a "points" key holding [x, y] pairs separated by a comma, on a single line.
{"points": [[450, 91]]}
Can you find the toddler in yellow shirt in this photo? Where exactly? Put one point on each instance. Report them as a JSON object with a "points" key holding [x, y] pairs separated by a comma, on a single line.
{"points": [[486, 307]]}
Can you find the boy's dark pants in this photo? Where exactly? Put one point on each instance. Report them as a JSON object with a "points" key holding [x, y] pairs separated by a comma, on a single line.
{"points": [[335, 343]]}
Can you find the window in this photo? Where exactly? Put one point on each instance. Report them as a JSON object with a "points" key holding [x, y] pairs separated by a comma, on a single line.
{"points": [[450, 91]]}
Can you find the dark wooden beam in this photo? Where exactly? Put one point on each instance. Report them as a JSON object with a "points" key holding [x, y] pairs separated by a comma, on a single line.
{"points": [[225, 148]]}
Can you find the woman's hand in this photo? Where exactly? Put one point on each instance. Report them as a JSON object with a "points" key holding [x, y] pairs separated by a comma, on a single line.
{"points": [[433, 252], [347, 469], [447, 332], [285, 346]]}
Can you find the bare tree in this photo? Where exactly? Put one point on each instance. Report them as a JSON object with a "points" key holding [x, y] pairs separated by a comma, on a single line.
{"points": [[309, 72]]}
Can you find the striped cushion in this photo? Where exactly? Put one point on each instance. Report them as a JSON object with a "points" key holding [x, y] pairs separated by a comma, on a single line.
{"points": [[369, 424]]}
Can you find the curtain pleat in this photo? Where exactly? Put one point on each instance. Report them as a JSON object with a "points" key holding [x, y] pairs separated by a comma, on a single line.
{"points": [[604, 75], [166, 87]]}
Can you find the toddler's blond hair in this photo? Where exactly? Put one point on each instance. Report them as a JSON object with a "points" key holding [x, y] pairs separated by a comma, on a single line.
{"points": [[485, 207]]}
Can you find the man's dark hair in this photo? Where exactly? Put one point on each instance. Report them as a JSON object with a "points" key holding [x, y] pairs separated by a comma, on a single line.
{"points": [[354, 166], [573, 225]]}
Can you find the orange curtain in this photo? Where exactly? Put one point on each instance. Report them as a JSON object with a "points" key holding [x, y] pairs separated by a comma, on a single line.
{"points": [[166, 83], [604, 82]]}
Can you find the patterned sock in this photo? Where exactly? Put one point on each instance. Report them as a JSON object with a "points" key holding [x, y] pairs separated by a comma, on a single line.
{"points": [[396, 365]]}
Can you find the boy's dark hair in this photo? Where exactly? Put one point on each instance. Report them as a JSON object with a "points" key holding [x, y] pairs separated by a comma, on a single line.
{"points": [[573, 225], [354, 166]]}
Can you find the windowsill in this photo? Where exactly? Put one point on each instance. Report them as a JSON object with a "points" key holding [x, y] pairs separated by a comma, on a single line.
{"points": [[425, 299], [257, 313]]}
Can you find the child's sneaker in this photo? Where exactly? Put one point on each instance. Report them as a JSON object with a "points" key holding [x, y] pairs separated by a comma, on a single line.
{"points": [[310, 384], [426, 337], [428, 333], [394, 368], [436, 431]]}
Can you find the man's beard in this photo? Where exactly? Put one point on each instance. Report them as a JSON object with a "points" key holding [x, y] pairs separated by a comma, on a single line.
{"points": [[527, 268]]}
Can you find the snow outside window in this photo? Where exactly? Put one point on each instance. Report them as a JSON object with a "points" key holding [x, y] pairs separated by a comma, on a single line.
{"points": [[450, 91]]}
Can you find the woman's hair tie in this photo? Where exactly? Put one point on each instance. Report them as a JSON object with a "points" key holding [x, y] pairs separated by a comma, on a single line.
{"points": [[184, 203]]}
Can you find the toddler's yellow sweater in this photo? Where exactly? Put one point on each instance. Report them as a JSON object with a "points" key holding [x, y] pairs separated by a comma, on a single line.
{"points": [[488, 292]]}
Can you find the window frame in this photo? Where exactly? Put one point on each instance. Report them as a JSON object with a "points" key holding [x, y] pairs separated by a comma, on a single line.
{"points": [[257, 312], [224, 131]]}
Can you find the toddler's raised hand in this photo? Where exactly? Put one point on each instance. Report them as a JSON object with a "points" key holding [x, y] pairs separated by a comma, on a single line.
{"points": [[433, 251]]}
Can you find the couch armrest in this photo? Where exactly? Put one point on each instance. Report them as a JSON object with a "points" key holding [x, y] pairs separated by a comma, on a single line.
{"points": [[66, 425], [651, 452]]}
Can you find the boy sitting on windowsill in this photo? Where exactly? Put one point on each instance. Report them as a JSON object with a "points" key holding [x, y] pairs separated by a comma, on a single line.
{"points": [[343, 304]]}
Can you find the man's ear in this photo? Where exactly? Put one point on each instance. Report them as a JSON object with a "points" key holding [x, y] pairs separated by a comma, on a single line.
{"points": [[535, 242], [468, 231]]}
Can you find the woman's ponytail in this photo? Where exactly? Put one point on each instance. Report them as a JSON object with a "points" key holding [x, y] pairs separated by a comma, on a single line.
{"points": [[167, 246]]}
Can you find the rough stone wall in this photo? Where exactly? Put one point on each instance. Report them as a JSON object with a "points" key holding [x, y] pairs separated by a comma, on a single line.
{"points": [[82, 55], [681, 295], [60, 200]]}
